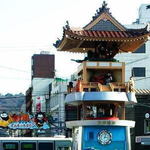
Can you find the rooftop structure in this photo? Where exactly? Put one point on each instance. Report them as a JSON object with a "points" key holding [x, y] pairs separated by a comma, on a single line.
{"points": [[136, 62], [103, 28], [100, 93]]}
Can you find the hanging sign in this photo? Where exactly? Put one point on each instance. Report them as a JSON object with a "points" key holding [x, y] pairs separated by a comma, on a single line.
{"points": [[23, 125], [24, 121]]}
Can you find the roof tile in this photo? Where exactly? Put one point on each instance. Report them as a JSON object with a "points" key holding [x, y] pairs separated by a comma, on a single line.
{"points": [[105, 34]]}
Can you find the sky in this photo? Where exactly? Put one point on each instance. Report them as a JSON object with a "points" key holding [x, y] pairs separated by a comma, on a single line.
{"points": [[28, 27]]}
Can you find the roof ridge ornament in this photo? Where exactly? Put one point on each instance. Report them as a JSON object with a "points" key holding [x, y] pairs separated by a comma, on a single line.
{"points": [[102, 9], [67, 26], [104, 5]]}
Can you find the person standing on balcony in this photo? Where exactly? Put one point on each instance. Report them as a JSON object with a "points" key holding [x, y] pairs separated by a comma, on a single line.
{"points": [[108, 78], [131, 84]]}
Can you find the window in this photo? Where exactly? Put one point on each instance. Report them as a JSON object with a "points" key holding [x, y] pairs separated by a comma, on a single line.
{"points": [[28, 146], [63, 148], [148, 7], [138, 72], [91, 135], [140, 49], [46, 146], [146, 126], [10, 146]]}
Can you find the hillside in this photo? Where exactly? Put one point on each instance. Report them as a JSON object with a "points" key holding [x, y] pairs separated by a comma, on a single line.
{"points": [[11, 103]]}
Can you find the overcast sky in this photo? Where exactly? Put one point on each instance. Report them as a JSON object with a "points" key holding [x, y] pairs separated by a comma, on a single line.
{"points": [[30, 26]]}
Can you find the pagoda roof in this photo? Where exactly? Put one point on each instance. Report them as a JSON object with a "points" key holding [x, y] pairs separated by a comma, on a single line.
{"points": [[103, 28], [83, 40], [103, 13]]}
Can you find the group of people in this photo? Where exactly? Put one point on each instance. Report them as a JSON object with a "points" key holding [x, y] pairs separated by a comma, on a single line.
{"points": [[103, 79]]}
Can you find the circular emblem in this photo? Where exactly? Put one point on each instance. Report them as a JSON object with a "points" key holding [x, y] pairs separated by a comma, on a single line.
{"points": [[147, 115], [104, 137]]}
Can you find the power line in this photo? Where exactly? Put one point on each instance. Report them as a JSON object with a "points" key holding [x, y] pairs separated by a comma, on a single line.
{"points": [[14, 69], [140, 104], [137, 60], [24, 46], [14, 78], [141, 79]]}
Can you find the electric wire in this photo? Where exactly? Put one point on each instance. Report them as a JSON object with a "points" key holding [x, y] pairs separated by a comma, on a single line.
{"points": [[14, 69]]}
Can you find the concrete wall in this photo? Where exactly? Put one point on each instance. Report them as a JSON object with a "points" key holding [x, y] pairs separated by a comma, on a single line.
{"points": [[57, 100], [137, 60], [144, 13], [40, 91], [43, 66]]}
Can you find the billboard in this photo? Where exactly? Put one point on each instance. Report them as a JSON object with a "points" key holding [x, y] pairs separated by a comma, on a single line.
{"points": [[24, 121]]}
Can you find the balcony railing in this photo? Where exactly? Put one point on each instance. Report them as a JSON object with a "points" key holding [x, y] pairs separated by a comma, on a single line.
{"points": [[99, 64], [80, 86]]}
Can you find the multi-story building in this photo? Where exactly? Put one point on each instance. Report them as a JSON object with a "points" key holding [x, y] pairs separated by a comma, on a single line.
{"points": [[43, 65], [101, 93], [57, 103], [137, 65], [137, 62], [43, 71], [29, 100]]}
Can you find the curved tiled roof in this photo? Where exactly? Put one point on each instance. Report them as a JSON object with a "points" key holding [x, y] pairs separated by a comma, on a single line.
{"points": [[101, 34], [106, 34], [96, 32], [100, 11]]}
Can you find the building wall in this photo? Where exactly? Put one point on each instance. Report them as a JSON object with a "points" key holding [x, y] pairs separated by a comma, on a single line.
{"points": [[91, 140], [140, 110], [43, 66], [138, 59], [57, 101], [144, 13], [137, 112], [40, 88], [57, 107], [29, 100], [43, 71]]}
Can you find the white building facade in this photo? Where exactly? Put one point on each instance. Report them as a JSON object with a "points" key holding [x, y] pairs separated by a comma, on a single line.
{"points": [[138, 63], [57, 99], [40, 93]]}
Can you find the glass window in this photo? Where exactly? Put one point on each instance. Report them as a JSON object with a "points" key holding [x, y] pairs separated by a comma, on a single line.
{"points": [[63, 148], [101, 110], [46, 146], [146, 126], [10, 146], [138, 72], [148, 7], [28, 146], [66, 148], [140, 49], [91, 135]]}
